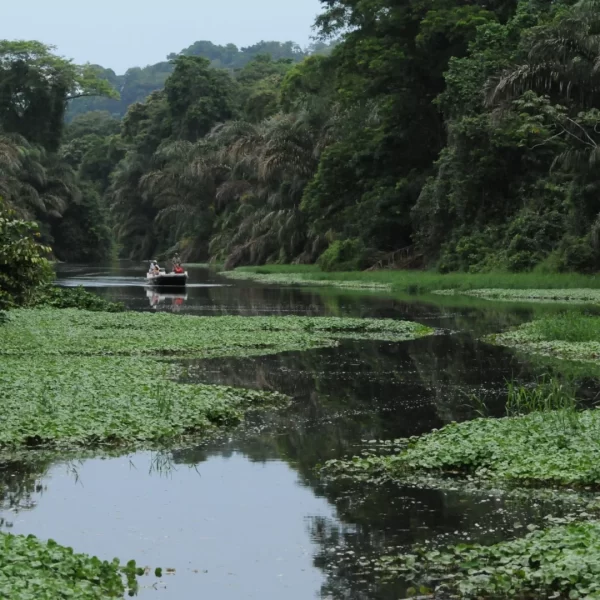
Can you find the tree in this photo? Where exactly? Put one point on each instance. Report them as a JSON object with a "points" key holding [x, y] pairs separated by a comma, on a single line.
{"points": [[198, 97], [35, 86], [100, 123]]}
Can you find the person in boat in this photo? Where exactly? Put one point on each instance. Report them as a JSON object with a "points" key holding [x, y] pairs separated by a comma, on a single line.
{"points": [[154, 268], [178, 269]]}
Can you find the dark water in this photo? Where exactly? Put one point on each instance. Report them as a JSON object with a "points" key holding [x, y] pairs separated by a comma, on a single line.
{"points": [[245, 516]]}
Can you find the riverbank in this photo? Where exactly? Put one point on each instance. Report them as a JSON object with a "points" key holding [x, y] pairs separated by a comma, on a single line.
{"points": [[414, 281]]}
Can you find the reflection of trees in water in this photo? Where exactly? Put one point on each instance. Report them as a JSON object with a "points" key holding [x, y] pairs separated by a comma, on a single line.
{"points": [[368, 390], [20, 484], [362, 390], [390, 519], [456, 368]]}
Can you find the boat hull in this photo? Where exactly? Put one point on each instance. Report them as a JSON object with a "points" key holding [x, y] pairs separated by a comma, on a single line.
{"points": [[168, 279]]}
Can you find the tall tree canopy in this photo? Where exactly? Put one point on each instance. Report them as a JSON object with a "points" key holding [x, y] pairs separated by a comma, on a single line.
{"points": [[35, 87], [36, 181], [464, 133]]}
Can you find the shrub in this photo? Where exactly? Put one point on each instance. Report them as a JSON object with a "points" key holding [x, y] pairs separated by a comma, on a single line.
{"points": [[577, 254], [57, 297], [23, 266], [345, 255]]}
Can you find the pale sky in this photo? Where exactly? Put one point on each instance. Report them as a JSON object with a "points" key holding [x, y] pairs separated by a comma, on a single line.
{"points": [[119, 34]]}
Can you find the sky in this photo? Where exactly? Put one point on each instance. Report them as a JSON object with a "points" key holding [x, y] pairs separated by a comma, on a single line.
{"points": [[119, 34]]}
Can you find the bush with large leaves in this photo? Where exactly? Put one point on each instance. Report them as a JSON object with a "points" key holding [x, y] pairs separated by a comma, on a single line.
{"points": [[23, 266]]}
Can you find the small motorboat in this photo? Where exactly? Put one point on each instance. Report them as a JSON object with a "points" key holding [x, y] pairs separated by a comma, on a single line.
{"points": [[158, 277]]}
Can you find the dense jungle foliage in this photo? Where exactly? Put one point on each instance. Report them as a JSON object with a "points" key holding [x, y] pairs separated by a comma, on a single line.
{"points": [[464, 132]]}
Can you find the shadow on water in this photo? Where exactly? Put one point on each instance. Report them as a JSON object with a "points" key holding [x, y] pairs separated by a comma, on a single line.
{"points": [[246, 515]]}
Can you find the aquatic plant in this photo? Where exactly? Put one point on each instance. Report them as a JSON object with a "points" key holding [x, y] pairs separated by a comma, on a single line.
{"points": [[92, 400], [77, 378], [31, 569], [570, 336], [75, 332], [569, 327], [546, 395], [555, 448], [546, 441], [558, 562], [571, 296]]}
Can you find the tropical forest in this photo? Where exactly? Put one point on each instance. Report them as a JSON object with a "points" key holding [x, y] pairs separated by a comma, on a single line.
{"points": [[305, 320]]}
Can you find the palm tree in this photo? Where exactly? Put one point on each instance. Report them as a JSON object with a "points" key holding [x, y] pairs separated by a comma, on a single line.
{"points": [[563, 60], [563, 64], [132, 217], [182, 189], [270, 165], [35, 183]]}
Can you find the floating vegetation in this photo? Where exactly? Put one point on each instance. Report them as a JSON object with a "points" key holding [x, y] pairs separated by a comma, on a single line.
{"points": [[89, 401], [76, 378], [556, 448], [74, 332], [571, 296], [569, 336], [31, 569], [562, 561], [546, 442], [298, 279]]}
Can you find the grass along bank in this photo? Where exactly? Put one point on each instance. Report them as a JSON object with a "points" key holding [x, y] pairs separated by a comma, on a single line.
{"points": [[570, 296], [305, 278], [78, 378], [568, 336], [32, 569], [414, 281]]}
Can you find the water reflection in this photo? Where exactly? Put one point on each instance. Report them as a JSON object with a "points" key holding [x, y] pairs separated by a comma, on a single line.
{"points": [[166, 299]]}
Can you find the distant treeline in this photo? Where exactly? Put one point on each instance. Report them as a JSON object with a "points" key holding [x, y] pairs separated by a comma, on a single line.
{"points": [[139, 82]]}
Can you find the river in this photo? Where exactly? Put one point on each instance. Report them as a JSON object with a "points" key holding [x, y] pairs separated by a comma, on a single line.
{"points": [[245, 515]]}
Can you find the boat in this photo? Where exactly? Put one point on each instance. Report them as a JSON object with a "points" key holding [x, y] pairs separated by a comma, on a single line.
{"points": [[164, 279]]}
